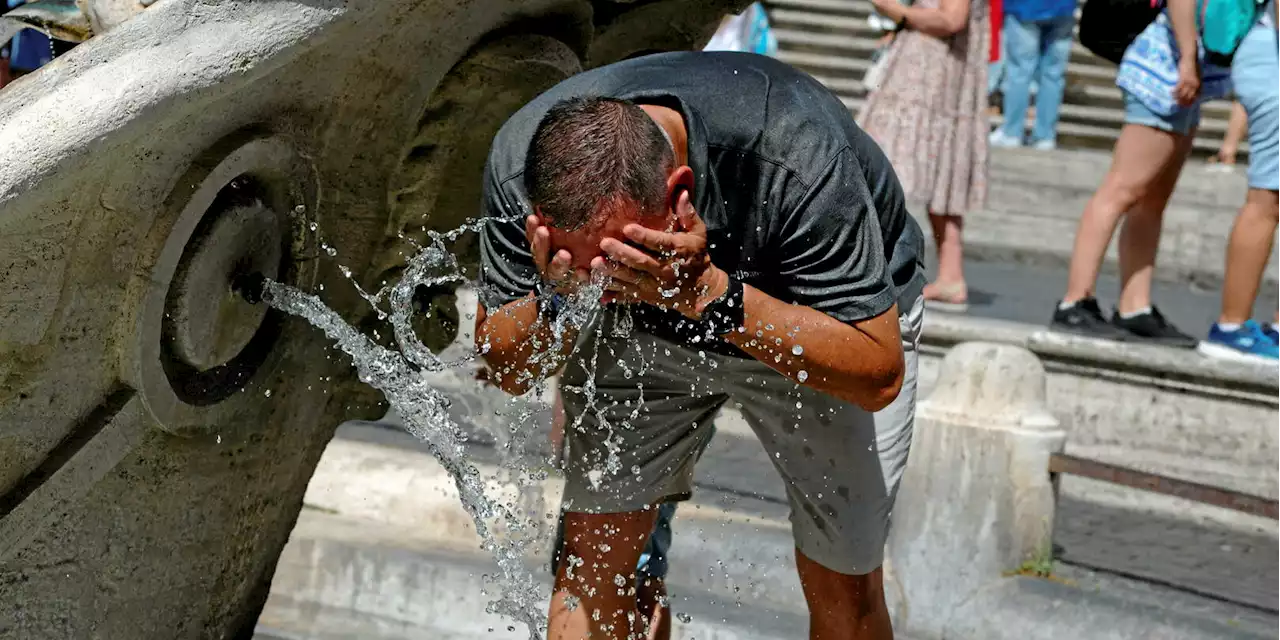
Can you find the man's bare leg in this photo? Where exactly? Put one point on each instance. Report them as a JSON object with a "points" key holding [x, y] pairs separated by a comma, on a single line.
{"points": [[595, 593], [651, 594], [844, 607]]}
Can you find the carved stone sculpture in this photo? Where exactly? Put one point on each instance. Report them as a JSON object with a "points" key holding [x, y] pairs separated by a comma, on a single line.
{"points": [[156, 433]]}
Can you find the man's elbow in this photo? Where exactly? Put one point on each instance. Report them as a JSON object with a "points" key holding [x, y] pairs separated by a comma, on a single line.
{"points": [[882, 387], [498, 371]]}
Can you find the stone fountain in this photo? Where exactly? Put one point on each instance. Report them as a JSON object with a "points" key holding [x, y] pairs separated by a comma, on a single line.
{"points": [[156, 431]]}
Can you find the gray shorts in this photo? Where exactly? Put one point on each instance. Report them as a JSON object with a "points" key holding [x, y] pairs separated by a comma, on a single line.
{"points": [[637, 442]]}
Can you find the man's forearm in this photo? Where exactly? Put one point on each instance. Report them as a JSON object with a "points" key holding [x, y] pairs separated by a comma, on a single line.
{"points": [[860, 363], [519, 346]]}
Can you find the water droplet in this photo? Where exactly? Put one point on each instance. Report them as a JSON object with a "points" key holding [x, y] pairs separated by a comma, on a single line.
{"points": [[802, 376], [302, 208], [797, 350], [313, 226], [684, 617], [267, 393]]}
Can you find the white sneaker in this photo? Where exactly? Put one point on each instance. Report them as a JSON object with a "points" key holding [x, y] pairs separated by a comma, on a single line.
{"points": [[999, 139], [1044, 145]]}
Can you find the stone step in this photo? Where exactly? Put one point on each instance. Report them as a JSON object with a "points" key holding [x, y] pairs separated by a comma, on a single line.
{"points": [[343, 578], [1088, 135], [382, 540], [1035, 200]]}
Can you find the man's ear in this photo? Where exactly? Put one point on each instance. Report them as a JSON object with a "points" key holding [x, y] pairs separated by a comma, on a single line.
{"points": [[543, 220], [680, 179]]}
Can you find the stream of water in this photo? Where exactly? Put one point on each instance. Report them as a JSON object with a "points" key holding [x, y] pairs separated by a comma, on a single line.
{"points": [[402, 375]]}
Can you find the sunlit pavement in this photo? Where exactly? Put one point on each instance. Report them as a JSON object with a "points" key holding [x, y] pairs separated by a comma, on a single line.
{"points": [[386, 554], [1029, 293]]}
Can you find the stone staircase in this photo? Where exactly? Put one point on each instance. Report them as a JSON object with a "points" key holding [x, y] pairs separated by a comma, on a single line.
{"points": [[831, 40]]}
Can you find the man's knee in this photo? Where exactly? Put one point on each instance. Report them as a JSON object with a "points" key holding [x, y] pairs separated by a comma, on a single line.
{"points": [[602, 546], [832, 594]]}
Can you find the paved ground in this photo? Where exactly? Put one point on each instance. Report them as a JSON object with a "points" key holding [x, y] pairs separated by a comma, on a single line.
{"points": [[356, 569], [1029, 293]]}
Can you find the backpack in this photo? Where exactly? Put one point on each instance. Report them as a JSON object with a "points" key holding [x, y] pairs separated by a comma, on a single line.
{"points": [[1223, 26], [1108, 27]]}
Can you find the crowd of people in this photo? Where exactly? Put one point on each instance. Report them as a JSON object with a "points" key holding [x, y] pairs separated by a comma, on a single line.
{"points": [[939, 147]]}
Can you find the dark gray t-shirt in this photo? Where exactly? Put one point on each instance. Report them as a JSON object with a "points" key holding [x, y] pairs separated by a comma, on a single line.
{"points": [[799, 201]]}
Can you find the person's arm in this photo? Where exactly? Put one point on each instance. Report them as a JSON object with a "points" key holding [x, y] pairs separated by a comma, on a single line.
{"points": [[516, 344], [860, 362], [1237, 127], [519, 347], [1182, 19], [949, 18]]}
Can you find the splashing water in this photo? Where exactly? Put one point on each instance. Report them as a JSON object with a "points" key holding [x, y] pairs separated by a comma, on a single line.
{"points": [[403, 377], [406, 377]]}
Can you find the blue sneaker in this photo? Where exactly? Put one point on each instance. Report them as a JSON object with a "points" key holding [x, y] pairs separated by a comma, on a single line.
{"points": [[1270, 330], [1247, 342]]}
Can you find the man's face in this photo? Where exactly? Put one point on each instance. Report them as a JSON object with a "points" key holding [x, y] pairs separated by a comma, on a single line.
{"points": [[584, 243]]}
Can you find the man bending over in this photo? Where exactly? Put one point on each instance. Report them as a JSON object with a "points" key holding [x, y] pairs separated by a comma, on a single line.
{"points": [[754, 246]]}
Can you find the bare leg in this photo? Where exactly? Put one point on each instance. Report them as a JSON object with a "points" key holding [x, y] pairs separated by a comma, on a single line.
{"points": [[1140, 237], [950, 285], [844, 607], [595, 594], [651, 596], [1248, 250], [1141, 155]]}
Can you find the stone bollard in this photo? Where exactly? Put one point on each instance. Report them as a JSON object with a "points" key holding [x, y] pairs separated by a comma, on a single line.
{"points": [[976, 500]]}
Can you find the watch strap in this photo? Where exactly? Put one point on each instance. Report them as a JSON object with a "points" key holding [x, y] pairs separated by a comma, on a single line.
{"points": [[726, 313]]}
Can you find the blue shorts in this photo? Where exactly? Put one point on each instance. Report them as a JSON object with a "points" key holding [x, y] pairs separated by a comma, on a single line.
{"points": [[1181, 122], [1253, 72]]}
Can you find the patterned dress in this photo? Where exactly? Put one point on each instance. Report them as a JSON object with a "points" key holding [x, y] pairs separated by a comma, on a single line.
{"points": [[929, 114]]}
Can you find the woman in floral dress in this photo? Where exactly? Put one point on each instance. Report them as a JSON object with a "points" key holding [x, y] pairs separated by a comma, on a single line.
{"points": [[929, 115]]}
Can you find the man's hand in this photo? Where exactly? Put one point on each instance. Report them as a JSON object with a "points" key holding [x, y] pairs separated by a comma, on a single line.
{"points": [[676, 273], [1188, 87], [555, 269]]}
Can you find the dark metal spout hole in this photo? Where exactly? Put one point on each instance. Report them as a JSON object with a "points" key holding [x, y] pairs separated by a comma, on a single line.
{"points": [[250, 286]]}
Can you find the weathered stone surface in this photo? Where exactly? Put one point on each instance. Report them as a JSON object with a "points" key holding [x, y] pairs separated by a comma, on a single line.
{"points": [[1166, 411], [151, 467], [976, 500]]}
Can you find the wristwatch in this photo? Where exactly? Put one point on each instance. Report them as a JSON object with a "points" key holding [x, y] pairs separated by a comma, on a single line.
{"points": [[726, 313]]}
